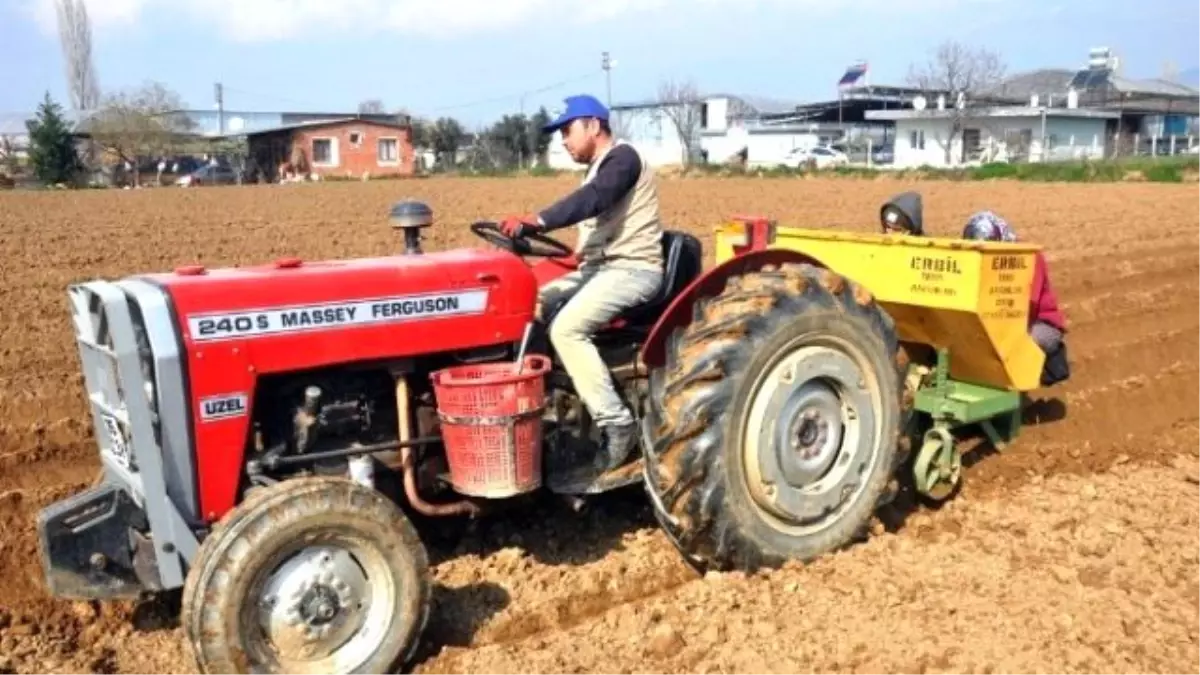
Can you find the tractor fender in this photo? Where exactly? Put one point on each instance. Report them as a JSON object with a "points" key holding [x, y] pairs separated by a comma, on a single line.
{"points": [[679, 312]]}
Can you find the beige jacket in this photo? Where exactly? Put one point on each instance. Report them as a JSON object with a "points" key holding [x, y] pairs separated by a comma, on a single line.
{"points": [[630, 233]]}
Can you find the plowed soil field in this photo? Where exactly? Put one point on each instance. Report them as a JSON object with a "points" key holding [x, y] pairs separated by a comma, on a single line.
{"points": [[1074, 550]]}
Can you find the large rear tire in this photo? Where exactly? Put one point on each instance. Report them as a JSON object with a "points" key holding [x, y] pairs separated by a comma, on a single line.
{"points": [[775, 426], [318, 575]]}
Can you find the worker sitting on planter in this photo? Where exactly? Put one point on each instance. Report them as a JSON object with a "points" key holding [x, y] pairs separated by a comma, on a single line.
{"points": [[902, 215], [1047, 324]]}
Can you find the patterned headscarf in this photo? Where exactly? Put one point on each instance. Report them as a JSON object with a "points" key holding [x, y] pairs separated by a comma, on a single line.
{"points": [[988, 226]]}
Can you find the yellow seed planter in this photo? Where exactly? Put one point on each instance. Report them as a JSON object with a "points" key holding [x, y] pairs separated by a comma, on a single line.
{"points": [[967, 300]]}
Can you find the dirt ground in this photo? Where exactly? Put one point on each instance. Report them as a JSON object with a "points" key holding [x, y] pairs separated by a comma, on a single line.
{"points": [[1074, 550]]}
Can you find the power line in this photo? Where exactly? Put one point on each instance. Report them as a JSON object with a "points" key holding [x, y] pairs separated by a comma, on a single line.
{"points": [[458, 106], [271, 97], [518, 95]]}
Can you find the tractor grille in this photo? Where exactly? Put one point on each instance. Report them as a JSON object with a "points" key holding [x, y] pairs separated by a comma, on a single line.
{"points": [[95, 307]]}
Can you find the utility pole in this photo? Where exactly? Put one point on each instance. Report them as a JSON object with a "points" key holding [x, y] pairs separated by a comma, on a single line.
{"points": [[219, 92], [606, 64]]}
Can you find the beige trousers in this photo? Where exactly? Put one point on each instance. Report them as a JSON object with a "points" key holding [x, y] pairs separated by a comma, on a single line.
{"points": [[580, 304]]}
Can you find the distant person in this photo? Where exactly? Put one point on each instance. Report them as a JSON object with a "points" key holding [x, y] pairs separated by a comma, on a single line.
{"points": [[902, 214], [1047, 323]]}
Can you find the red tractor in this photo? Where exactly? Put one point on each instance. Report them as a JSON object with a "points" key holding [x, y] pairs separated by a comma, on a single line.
{"points": [[267, 433]]}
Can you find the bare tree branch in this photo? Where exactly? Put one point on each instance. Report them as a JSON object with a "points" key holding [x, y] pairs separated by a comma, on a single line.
{"points": [[138, 123], [8, 156], [965, 76], [622, 122], [75, 38], [680, 102]]}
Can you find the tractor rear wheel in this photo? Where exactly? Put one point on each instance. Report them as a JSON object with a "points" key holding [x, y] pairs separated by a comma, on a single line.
{"points": [[775, 426], [309, 575]]}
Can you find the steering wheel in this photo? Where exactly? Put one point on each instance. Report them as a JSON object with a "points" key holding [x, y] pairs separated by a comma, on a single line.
{"points": [[523, 245]]}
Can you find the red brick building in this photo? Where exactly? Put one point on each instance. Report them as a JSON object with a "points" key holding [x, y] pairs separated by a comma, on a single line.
{"points": [[348, 147]]}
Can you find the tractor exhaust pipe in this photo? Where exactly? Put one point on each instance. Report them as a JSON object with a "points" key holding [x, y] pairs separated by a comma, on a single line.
{"points": [[460, 508]]}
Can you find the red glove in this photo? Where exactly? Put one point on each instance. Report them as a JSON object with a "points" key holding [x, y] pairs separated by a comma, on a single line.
{"points": [[515, 226]]}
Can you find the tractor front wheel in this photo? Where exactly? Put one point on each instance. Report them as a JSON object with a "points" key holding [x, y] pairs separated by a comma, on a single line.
{"points": [[775, 425], [310, 575]]}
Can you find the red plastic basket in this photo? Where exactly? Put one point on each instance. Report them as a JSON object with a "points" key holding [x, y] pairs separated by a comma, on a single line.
{"points": [[491, 419]]}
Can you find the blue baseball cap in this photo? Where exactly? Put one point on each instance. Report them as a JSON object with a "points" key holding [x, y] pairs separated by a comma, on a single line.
{"points": [[581, 105]]}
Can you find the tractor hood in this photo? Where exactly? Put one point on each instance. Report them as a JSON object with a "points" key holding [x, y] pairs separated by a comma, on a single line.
{"points": [[467, 297]]}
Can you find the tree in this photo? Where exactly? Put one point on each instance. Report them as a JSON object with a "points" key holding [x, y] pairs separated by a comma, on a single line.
{"points": [[445, 137], [623, 122], [422, 132], [371, 106], [509, 140], [75, 38], [422, 129], [964, 76], [680, 103], [137, 123], [51, 146], [9, 164], [539, 141]]}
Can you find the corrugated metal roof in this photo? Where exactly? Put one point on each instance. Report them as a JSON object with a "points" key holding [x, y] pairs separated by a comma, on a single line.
{"points": [[765, 105], [315, 123], [762, 105], [1058, 81], [1042, 82], [1006, 111], [1151, 87]]}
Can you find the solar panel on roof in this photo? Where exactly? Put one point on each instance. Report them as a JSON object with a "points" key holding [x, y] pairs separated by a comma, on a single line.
{"points": [[1090, 79]]}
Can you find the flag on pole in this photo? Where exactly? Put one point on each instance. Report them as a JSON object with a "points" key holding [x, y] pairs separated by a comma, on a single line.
{"points": [[854, 75]]}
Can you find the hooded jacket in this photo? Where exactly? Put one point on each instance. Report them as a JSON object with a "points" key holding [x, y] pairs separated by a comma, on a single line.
{"points": [[909, 205]]}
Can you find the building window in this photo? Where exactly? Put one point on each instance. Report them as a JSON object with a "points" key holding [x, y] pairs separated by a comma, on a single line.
{"points": [[916, 139], [323, 152], [388, 151], [356, 138]]}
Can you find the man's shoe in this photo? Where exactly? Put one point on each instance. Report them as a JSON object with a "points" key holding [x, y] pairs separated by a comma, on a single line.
{"points": [[619, 440]]}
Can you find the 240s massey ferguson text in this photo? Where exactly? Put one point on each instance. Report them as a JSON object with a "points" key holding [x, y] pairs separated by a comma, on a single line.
{"points": [[266, 432]]}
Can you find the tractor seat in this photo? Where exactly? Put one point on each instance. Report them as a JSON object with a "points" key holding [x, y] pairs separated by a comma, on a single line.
{"points": [[683, 257]]}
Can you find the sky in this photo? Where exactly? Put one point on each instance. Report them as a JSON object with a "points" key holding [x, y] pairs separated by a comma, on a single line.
{"points": [[479, 59]]}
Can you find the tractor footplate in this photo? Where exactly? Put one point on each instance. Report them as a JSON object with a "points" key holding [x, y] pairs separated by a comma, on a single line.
{"points": [[585, 482], [93, 547], [569, 469]]}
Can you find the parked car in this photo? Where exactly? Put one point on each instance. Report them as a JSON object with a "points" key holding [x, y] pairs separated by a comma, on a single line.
{"points": [[209, 175], [883, 154], [823, 157]]}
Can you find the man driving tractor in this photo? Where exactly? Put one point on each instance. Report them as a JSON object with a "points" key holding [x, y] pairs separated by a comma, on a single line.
{"points": [[619, 264]]}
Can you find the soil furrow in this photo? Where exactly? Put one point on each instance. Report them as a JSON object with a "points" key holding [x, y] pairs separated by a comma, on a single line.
{"points": [[1073, 550]]}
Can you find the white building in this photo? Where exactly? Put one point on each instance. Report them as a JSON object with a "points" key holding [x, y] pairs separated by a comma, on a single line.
{"points": [[1012, 133], [721, 126]]}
